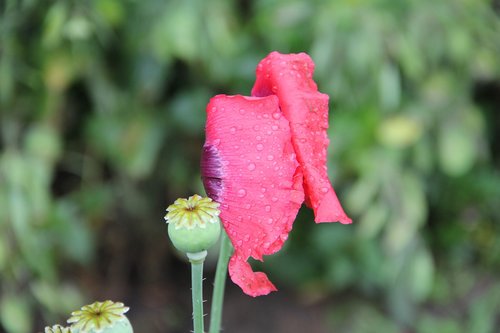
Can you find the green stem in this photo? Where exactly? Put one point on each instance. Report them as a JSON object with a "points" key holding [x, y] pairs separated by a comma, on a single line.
{"points": [[220, 283], [197, 260]]}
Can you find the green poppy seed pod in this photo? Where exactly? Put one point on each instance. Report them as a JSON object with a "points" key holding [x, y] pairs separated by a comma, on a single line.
{"points": [[193, 223], [101, 317]]}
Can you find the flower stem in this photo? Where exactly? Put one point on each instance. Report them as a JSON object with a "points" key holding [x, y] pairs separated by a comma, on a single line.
{"points": [[197, 260], [219, 284]]}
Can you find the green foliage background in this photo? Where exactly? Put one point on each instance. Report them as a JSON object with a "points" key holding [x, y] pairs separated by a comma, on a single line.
{"points": [[101, 125]]}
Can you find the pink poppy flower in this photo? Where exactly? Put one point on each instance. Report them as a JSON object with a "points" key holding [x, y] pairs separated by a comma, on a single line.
{"points": [[263, 157]]}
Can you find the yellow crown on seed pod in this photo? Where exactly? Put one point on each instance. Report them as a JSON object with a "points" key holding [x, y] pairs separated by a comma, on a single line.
{"points": [[57, 329], [193, 223], [101, 317]]}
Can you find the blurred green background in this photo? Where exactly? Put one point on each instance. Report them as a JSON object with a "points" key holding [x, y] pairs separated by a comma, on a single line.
{"points": [[101, 126]]}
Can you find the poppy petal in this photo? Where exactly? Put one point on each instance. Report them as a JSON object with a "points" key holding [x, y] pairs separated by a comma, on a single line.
{"points": [[249, 166], [289, 76]]}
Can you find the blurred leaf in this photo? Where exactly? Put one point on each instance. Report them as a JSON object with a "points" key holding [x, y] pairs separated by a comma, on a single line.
{"points": [[77, 28], [389, 87], [457, 151], [74, 236], [15, 314], [130, 142], [421, 274], [360, 317], [57, 298], [373, 220], [112, 11], [43, 142], [483, 311], [432, 324], [177, 32], [6, 76], [399, 131], [54, 23], [188, 110], [362, 194]]}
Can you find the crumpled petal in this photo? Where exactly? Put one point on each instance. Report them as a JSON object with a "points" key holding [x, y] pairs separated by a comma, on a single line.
{"points": [[250, 168], [289, 76]]}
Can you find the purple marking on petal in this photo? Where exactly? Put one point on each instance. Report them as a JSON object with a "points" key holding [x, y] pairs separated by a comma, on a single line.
{"points": [[211, 172]]}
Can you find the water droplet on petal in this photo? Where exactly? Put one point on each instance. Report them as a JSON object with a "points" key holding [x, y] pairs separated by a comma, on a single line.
{"points": [[270, 221], [274, 199], [216, 142], [242, 111], [256, 127], [260, 146], [258, 138], [232, 130], [275, 127], [270, 157], [251, 166], [324, 189], [247, 206], [241, 193], [277, 115], [267, 208]]}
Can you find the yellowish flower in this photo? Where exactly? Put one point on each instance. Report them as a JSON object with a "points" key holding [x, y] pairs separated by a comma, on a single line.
{"points": [[195, 211], [57, 329], [98, 316]]}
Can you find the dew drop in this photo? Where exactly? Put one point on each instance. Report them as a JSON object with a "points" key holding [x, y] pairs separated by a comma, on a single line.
{"points": [[247, 206], [324, 189], [267, 208], [263, 190], [259, 146], [270, 157], [251, 166], [242, 111], [276, 115], [241, 193], [256, 128], [216, 142], [258, 138], [232, 130], [275, 127], [270, 221], [274, 199]]}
